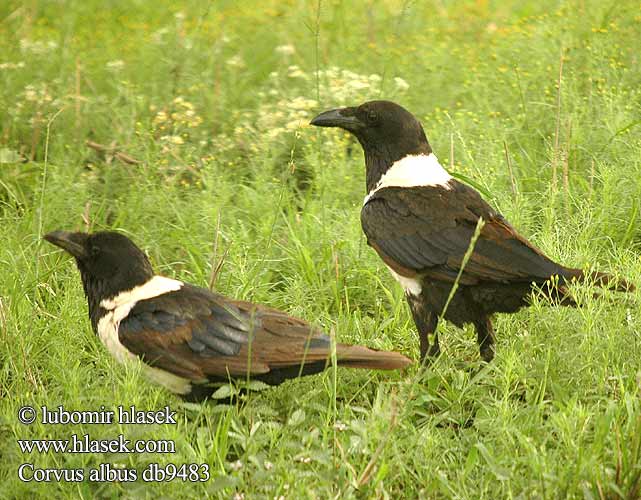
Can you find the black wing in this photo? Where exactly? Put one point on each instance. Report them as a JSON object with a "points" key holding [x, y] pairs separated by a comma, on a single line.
{"points": [[426, 230], [197, 334]]}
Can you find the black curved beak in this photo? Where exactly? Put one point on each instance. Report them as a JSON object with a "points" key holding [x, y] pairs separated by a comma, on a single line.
{"points": [[344, 118], [74, 243]]}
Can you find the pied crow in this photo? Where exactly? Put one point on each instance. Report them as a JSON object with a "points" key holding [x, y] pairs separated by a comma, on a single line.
{"points": [[187, 336], [420, 221]]}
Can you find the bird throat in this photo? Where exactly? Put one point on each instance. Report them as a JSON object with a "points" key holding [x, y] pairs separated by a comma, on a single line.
{"points": [[380, 158], [95, 291], [99, 290]]}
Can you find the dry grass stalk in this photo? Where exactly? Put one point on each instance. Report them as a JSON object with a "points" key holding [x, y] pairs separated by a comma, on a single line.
{"points": [[509, 169], [113, 151], [217, 264], [555, 158]]}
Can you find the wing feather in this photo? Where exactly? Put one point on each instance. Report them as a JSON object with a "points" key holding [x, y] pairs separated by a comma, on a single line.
{"points": [[197, 334], [427, 230]]}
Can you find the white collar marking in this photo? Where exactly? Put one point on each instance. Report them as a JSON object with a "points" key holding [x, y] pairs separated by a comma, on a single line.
{"points": [[413, 171], [118, 308], [158, 285]]}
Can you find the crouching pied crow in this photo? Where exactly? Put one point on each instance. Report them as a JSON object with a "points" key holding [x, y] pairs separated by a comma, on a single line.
{"points": [[187, 336], [421, 221]]}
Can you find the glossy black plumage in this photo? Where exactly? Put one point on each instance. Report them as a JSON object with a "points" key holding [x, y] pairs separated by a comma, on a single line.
{"points": [[189, 336], [423, 231], [428, 230]]}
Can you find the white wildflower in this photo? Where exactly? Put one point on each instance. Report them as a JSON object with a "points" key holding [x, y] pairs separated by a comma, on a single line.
{"points": [[332, 72], [274, 132], [303, 103], [235, 62], [10, 65], [188, 106], [236, 466], [358, 84], [350, 75], [38, 93], [161, 117], [340, 426], [30, 93], [173, 139], [401, 84], [159, 35], [116, 65], [285, 50], [294, 124], [37, 47], [295, 72]]}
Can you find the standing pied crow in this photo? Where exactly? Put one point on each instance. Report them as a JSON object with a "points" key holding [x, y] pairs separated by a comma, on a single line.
{"points": [[421, 221], [187, 336]]}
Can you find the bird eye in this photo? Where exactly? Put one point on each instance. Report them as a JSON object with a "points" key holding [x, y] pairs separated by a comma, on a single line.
{"points": [[372, 115]]}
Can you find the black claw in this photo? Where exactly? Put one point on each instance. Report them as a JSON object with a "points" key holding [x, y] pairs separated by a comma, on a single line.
{"points": [[487, 354]]}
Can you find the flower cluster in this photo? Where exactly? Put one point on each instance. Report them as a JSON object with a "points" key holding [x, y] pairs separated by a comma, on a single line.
{"points": [[173, 122], [283, 111], [236, 62], [115, 65], [37, 47], [38, 94], [12, 65], [345, 87], [36, 104]]}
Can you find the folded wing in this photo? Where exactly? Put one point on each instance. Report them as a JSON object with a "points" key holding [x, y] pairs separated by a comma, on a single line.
{"points": [[427, 230], [200, 335]]}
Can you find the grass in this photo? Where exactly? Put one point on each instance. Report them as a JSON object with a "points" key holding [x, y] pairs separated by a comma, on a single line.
{"points": [[212, 100]]}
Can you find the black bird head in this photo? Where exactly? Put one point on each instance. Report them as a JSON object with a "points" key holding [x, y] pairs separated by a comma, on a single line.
{"points": [[109, 263], [386, 131]]}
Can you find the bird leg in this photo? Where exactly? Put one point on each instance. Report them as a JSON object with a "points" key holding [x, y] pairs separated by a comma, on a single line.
{"points": [[426, 322], [485, 338]]}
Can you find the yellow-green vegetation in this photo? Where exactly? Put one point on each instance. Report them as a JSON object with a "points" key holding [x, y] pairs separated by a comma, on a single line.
{"points": [[197, 113]]}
